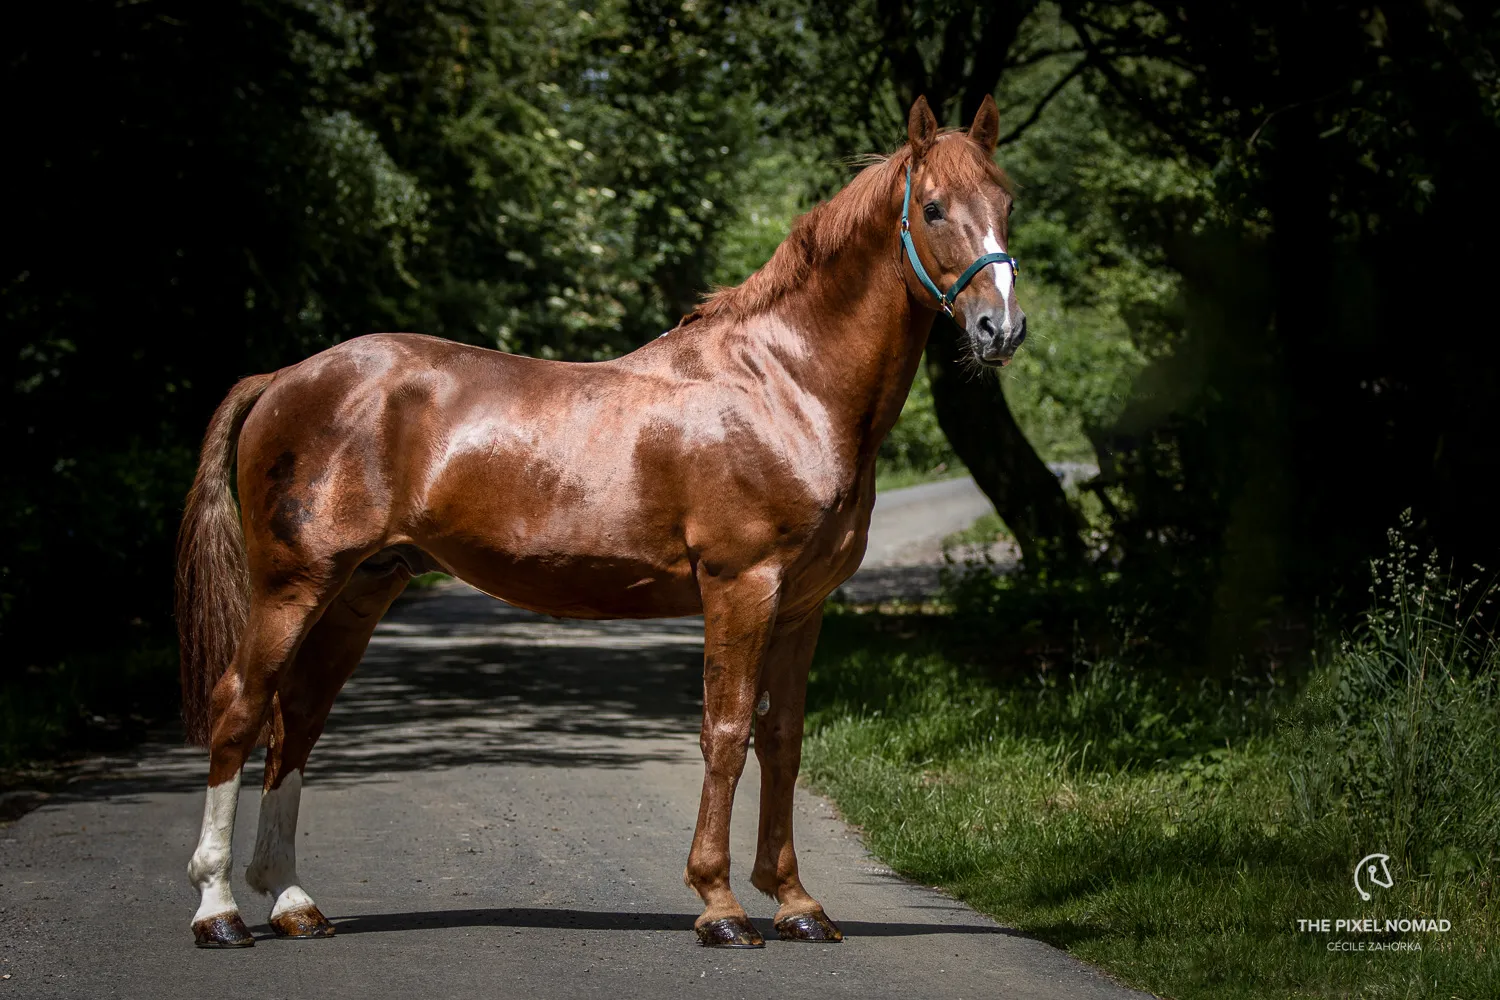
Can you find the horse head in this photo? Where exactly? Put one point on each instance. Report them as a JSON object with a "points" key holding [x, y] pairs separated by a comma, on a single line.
{"points": [[955, 226]]}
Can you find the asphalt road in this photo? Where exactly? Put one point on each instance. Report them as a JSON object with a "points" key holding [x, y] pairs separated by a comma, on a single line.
{"points": [[501, 807]]}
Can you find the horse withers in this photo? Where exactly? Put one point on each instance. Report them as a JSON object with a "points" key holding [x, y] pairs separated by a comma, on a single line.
{"points": [[726, 469]]}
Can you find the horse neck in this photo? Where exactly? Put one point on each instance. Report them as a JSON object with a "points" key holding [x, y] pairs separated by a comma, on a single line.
{"points": [[866, 336]]}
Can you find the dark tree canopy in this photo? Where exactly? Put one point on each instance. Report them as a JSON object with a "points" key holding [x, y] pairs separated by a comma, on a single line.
{"points": [[1287, 207]]}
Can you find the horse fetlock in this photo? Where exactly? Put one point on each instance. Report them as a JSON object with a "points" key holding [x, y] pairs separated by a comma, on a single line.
{"points": [[270, 877], [796, 902], [706, 877], [208, 865], [290, 899], [765, 878], [216, 899]]}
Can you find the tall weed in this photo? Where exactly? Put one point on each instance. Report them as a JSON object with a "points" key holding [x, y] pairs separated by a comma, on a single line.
{"points": [[1398, 735]]}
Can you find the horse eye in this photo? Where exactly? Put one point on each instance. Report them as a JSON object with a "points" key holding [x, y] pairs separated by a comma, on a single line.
{"points": [[932, 213]]}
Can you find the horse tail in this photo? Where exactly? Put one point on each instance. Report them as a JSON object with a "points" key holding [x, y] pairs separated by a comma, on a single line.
{"points": [[213, 579]]}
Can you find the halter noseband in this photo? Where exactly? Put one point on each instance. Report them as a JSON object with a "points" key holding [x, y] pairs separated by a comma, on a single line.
{"points": [[945, 299]]}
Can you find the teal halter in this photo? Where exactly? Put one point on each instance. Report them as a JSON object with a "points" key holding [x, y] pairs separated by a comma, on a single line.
{"points": [[945, 299]]}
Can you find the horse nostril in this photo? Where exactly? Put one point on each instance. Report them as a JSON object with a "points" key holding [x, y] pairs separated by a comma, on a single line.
{"points": [[1020, 333], [987, 327]]}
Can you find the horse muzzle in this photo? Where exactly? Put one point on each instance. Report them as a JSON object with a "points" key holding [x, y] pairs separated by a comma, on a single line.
{"points": [[995, 339]]}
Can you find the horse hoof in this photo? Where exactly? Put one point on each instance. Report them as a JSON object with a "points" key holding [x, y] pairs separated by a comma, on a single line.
{"points": [[303, 922], [809, 927], [730, 932], [226, 930]]}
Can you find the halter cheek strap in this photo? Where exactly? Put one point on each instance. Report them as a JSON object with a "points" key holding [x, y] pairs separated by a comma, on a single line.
{"points": [[945, 299]]}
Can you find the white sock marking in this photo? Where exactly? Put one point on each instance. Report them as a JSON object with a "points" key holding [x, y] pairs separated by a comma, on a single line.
{"points": [[209, 868], [273, 868]]}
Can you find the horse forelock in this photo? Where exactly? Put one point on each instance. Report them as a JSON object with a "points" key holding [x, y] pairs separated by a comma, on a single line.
{"points": [[830, 226]]}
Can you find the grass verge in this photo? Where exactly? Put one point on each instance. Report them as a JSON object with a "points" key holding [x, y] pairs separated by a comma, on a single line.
{"points": [[1174, 832], [899, 477]]}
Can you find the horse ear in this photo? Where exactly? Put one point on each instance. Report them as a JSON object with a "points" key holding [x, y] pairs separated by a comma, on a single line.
{"points": [[986, 127], [921, 128]]}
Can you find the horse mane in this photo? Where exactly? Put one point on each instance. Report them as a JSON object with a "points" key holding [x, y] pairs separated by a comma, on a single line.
{"points": [[819, 234]]}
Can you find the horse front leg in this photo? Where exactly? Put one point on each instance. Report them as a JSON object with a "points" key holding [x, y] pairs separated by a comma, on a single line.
{"points": [[738, 615], [778, 746]]}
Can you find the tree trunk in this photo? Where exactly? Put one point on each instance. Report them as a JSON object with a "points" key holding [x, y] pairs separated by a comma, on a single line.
{"points": [[974, 416]]}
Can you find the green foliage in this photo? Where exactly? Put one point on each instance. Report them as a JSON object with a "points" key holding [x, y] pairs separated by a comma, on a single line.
{"points": [[530, 176], [93, 702], [916, 449], [1073, 376], [776, 184]]}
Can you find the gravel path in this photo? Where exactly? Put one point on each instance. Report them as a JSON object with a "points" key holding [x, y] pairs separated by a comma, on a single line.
{"points": [[501, 806]]}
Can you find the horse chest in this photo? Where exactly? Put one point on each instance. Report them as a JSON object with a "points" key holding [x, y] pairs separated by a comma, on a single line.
{"points": [[833, 551]]}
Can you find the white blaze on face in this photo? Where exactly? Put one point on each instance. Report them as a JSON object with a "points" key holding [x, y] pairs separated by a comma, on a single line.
{"points": [[209, 868], [1003, 277], [273, 870]]}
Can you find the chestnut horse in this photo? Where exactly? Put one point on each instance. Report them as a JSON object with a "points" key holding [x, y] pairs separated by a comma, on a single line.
{"points": [[726, 468]]}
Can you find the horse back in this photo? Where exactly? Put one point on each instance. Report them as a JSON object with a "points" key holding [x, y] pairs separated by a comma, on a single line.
{"points": [[588, 490]]}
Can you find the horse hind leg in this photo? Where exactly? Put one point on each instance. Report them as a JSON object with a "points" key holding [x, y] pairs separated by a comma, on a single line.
{"points": [[273, 868], [327, 658], [241, 701], [217, 922]]}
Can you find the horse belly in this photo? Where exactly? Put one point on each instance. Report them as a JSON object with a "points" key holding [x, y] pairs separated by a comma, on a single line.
{"points": [[572, 585], [562, 555]]}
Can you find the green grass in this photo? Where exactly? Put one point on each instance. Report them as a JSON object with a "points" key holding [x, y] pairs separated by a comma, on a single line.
{"points": [[426, 581], [1174, 831], [899, 477], [986, 530]]}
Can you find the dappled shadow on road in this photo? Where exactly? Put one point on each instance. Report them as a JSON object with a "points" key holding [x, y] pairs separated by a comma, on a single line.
{"points": [[595, 920], [454, 678]]}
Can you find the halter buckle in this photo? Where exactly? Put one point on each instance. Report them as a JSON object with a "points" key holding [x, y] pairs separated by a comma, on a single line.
{"points": [[947, 307]]}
